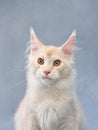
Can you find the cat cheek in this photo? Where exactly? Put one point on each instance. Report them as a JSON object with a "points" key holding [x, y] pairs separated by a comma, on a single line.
{"points": [[55, 75], [36, 66], [60, 69]]}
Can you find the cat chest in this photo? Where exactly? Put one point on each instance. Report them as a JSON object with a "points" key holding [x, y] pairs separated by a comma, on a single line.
{"points": [[47, 115], [51, 112]]}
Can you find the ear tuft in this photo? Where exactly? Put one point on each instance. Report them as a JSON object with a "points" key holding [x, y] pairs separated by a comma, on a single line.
{"points": [[73, 33], [33, 37]]}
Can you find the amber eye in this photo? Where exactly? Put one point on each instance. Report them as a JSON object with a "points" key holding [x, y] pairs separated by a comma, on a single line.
{"points": [[57, 63], [40, 61]]}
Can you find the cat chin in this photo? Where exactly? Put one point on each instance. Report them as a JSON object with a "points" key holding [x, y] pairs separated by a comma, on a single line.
{"points": [[47, 81]]}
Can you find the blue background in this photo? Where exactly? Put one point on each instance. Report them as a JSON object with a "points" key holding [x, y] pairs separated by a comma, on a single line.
{"points": [[53, 21]]}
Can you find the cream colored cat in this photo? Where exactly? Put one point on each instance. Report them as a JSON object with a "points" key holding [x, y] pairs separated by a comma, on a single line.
{"points": [[50, 102]]}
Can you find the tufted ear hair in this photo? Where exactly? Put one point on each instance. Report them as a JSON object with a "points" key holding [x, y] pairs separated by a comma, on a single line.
{"points": [[68, 46], [35, 42]]}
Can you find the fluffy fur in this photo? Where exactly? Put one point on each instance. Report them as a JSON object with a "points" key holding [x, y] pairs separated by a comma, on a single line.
{"points": [[50, 102]]}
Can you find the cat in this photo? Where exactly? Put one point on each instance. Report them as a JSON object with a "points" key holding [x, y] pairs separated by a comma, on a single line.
{"points": [[50, 102]]}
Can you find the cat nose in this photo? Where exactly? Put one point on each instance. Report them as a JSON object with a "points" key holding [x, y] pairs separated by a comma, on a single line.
{"points": [[47, 72]]}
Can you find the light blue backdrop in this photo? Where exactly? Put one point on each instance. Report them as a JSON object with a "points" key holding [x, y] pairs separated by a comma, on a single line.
{"points": [[53, 21]]}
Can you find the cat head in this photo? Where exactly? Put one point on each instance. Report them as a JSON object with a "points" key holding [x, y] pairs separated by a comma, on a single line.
{"points": [[49, 64]]}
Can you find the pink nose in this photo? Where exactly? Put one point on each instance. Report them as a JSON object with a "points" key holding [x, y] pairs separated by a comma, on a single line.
{"points": [[47, 72]]}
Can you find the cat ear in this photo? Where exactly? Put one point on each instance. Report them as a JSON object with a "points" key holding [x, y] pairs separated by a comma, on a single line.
{"points": [[35, 43], [68, 47]]}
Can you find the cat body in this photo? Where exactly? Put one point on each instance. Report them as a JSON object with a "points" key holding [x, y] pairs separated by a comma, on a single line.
{"points": [[50, 102]]}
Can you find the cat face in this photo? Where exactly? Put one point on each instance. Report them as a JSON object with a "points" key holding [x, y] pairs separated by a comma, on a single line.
{"points": [[50, 63]]}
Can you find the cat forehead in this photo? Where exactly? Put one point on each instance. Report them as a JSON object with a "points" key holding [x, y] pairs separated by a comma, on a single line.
{"points": [[51, 50]]}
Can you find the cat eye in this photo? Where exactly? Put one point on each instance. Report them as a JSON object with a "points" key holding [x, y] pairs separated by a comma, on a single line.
{"points": [[40, 61], [57, 63]]}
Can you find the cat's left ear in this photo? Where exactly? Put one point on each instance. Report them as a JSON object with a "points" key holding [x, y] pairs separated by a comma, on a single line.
{"points": [[35, 42], [69, 45]]}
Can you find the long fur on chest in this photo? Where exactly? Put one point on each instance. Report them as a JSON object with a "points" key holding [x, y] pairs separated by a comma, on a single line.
{"points": [[51, 104]]}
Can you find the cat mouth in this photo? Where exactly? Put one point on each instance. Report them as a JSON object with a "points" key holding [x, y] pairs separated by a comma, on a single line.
{"points": [[47, 78]]}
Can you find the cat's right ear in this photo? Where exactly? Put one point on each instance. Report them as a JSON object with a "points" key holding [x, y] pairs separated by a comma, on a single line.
{"points": [[35, 42]]}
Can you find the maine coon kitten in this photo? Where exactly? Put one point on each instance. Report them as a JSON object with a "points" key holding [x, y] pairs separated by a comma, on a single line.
{"points": [[50, 102]]}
